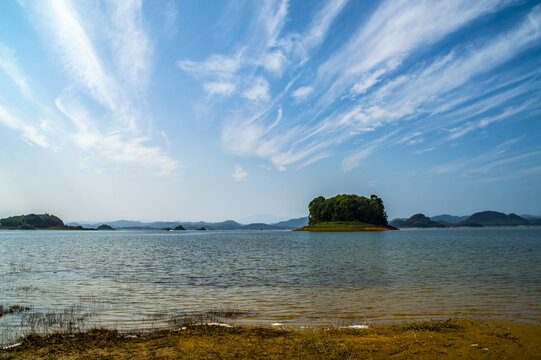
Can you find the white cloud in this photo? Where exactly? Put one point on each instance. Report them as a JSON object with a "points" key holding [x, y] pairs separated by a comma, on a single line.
{"points": [[300, 45], [492, 163], [356, 159], [8, 63], [423, 89], [314, 159], [118, 146], [367, 82], [364, 86], [321, 23], [32, 136], [302, 92], [478, 124], [422, 151], [9, 120], [274, 61], [216, 65], [352, 161], [488, 167], [78, 53], [239, 174], [258, 91], [273, 16], [219, 88], [391, 34], [134, 151], [242, 138], [170, 18], [368, 47], [511, 142], [112, 63], [132, 47], [166, 138]]}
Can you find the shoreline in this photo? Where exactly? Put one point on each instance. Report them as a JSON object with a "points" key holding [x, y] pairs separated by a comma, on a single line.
{"points": [[422, 339], [345, 226]]}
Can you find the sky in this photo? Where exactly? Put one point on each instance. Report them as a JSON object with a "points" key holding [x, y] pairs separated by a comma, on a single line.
{"points": [[212, 110]]}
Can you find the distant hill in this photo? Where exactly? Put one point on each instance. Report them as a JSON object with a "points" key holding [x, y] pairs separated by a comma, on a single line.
{"points": [[493, 218], [417, 221], [451, 219], [120, 223], [117, 224], [531, 217], [224, 225], [479, 219], [292, 223], [259, 226]]}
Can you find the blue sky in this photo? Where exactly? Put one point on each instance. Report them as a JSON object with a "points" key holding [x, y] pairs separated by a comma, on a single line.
{"points": [[246, 110]]}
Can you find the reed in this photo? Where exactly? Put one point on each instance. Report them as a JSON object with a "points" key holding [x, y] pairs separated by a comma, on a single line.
{"points": [[12, 309]]}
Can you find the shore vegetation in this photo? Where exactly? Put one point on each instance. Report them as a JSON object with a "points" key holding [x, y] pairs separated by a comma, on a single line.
{"points": [[345, 226], [448, 339]]}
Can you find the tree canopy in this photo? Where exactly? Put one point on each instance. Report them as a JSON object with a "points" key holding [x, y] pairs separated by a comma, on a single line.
{"points": [[40, 221], [347, 208]]}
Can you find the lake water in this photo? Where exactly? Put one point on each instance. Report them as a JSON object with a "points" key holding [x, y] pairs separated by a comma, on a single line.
{"points": [[296, 278]]}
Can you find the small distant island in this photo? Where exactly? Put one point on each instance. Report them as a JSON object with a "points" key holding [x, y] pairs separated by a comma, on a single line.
{"points": [[479, 219], [347, 213], [104, 227]]}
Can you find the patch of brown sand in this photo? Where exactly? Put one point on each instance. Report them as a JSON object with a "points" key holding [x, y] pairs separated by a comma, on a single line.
{"points": [[469, 339]]}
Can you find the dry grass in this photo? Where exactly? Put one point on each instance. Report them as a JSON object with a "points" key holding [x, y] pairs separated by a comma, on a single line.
{"points": [[425, 340]]}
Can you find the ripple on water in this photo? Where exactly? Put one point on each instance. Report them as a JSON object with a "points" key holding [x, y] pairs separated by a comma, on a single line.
{"points": [[304, 278]]}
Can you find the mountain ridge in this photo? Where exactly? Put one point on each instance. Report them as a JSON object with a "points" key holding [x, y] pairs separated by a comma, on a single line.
{"points": [[193, 225], [478, 219]]}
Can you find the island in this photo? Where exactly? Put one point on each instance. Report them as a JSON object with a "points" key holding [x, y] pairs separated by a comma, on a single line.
{"points": [[36, 222], [347, 213], [104, 227]]}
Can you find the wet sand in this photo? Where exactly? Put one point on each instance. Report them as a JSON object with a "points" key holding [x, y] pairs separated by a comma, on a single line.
{"points": [[470, 339]]}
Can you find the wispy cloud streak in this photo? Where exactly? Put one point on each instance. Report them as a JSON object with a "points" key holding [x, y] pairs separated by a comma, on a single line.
{"points": [[8, 63], [108, 121], [373, 83]]}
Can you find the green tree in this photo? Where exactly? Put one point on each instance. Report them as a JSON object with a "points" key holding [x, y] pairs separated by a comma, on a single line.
{"points": [[347, 208], [316, 210]]}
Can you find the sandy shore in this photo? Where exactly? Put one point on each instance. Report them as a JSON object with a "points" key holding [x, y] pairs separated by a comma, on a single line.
{"points": [[470, 339]]}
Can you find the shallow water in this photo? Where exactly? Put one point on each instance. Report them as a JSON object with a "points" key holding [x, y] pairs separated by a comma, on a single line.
{"points": [[296, 278]]}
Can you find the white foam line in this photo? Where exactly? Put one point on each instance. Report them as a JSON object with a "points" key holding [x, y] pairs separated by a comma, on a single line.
{"points": [[219, 324], [7, 347], [357, 327]]}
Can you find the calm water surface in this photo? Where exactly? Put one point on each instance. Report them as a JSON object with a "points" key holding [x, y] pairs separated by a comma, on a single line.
{"points": [[296, 278]]}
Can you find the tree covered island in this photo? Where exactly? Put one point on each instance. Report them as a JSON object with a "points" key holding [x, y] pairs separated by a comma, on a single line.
{"points": [[347, 213], [36, 222]]}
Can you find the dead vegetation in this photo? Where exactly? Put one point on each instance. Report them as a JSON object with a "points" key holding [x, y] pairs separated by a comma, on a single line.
{"points": [[450, 339]]}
